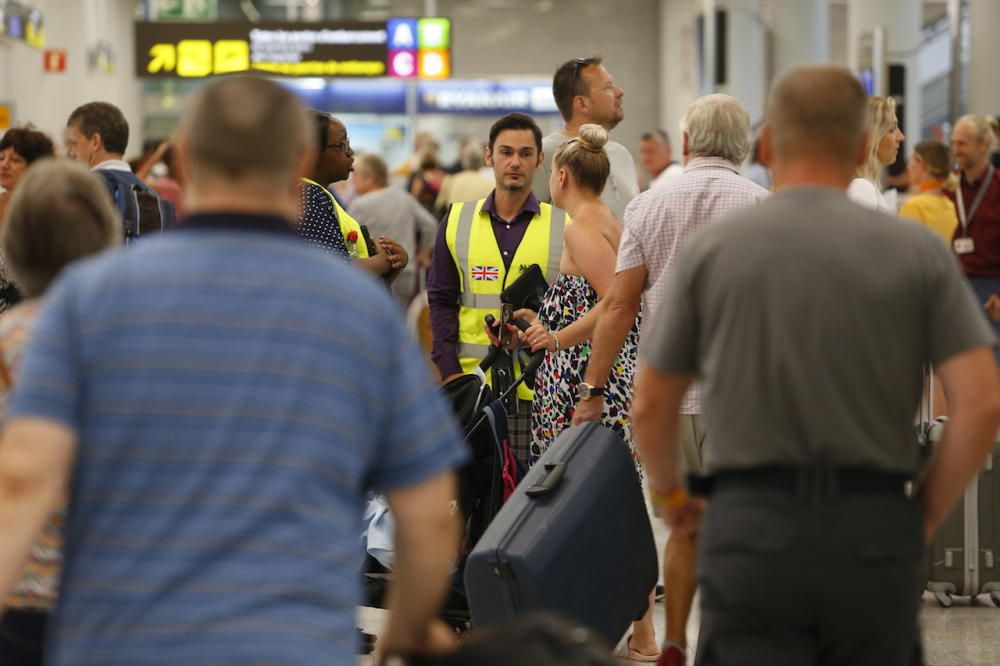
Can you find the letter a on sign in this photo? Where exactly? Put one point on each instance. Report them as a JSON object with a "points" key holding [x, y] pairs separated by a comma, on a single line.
{"points": [[403, 37]]}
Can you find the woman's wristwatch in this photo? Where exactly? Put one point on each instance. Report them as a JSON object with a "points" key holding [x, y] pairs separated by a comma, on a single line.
{"points": [[587, 391]]}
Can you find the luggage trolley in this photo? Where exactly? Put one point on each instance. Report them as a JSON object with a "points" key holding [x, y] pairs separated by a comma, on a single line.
{"points": [[487, 479]]}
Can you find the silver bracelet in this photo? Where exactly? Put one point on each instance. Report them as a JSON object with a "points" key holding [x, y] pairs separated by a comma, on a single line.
{"points": [[556, 338]]}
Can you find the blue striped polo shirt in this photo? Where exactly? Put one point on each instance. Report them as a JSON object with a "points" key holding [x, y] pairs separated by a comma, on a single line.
{"points": [[235, 392]]}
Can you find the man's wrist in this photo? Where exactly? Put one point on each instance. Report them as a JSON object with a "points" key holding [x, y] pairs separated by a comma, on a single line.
{"points": [[448, 365], [668, 499]]}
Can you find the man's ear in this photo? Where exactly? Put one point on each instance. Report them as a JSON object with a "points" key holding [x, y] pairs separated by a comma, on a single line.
{"points": [[488, 156], [304, 165], [96, 141], [765, 146], [179, 145], [541, 158]]}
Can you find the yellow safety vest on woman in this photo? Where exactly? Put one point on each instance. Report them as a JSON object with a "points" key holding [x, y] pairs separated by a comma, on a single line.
{"points": [[483, 276], [347, 224]]}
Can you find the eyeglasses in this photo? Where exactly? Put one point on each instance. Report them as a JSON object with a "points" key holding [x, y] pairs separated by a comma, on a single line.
{"points": [[344, 146]]}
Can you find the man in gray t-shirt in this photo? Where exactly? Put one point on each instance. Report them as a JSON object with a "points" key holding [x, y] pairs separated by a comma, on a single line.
{"points": [[586, 93], [809, 321]]}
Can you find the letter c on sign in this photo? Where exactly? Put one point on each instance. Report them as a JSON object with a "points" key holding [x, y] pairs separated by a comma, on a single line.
{"points": [[403, 63]]}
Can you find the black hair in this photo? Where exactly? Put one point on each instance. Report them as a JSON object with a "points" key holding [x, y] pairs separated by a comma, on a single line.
{"points": [[28, 142], [516, 121], [104, 119], [322, 120], [567, 83]]}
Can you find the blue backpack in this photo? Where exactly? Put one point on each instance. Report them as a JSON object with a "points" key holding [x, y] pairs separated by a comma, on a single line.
{"points": [[143, 211]]}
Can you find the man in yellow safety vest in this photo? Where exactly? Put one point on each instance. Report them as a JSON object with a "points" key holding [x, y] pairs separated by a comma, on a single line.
{"points": [[482, 247]]}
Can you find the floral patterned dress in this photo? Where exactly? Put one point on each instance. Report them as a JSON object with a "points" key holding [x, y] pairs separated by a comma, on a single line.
{"points": [[38, 583], [569, 298]]}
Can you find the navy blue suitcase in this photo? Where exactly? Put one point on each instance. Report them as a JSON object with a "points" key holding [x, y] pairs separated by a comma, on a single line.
{"points": [[573, 539]]}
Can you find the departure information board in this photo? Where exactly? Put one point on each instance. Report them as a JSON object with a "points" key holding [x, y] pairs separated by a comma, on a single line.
{"points": [[399, 48]]}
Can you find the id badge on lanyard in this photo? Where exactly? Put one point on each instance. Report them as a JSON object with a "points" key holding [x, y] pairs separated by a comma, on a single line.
{"points": [[964, 243]]}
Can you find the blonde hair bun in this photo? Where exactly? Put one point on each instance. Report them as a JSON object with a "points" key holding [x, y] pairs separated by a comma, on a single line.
{"points": [[592, 137]]}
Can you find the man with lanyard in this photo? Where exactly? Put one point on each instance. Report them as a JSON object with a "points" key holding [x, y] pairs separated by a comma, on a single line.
{"points": [[977, 199], [482, 247], [324, 222]]}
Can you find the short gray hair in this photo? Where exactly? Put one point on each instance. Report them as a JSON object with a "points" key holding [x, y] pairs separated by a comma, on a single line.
{"points": [[472, 157], [246, 127], [59, 212], [987, 128], [817, 112], [374, 166], [717, 126]]}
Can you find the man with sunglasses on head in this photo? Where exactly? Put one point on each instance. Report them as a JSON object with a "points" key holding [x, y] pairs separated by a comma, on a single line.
{"points": [[586, 93], [324, 222]]}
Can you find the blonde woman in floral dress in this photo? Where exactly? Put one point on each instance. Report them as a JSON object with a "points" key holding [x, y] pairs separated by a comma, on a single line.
{"points": [[569, 313]]}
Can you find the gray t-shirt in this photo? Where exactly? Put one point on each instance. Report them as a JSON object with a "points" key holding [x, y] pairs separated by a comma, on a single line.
{"points": [[394, 213], [809, 319], [622, 185]]}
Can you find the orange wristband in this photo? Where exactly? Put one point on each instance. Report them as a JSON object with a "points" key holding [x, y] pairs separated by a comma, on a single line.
{"points": [[671, 500]]}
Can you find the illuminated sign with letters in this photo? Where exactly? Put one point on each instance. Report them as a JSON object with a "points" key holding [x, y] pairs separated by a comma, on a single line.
{"points": [[402, 48]]}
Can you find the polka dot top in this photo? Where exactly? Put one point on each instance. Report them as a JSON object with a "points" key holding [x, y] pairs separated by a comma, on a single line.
{"points": [[318, 222]]}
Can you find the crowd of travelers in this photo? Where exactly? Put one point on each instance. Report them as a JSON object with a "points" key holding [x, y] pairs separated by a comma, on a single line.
{"points": [[207, 369]]}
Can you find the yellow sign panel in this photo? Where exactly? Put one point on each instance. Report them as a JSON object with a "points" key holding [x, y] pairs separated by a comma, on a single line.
{"points": [[6, 115], [324, 68], [231, 55], [194, 58], [162, 58]]}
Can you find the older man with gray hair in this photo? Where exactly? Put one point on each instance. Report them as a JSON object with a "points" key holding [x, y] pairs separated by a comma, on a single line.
{"points": [[715, 139]]}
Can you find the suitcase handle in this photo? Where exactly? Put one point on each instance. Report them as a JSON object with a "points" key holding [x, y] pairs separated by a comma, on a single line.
{"points": [[553, 477]]}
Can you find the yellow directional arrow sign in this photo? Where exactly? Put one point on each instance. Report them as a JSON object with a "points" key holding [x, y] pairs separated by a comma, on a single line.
{"points": [[162, 58]]}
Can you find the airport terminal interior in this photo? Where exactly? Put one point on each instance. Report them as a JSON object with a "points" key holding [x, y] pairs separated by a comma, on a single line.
{"points": [[412, 96]]}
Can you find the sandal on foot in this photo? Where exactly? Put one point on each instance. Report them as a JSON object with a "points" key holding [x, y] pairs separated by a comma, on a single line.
{"points": [[626, 651]]}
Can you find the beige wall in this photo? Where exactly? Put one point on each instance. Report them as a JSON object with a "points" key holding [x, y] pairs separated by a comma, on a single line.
{"points": [[532, 42], [77, 26]]}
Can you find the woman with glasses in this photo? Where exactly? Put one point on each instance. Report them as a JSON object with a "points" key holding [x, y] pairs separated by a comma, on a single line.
{"points": [[323, 221]]}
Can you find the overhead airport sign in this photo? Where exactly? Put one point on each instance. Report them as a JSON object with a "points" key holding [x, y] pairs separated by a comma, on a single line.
{"points": [[453, 97], [401, 48], [486, 97]]}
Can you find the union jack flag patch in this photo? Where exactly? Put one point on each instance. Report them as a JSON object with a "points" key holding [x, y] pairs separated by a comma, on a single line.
{"points": [[485, 273]]}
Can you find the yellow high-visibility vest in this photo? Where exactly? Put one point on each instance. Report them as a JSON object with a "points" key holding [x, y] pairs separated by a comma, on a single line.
{"points": [[482, 275], [347, 224]]}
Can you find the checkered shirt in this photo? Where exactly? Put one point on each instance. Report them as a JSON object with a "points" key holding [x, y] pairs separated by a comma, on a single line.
{"points": [[660, 220]]}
